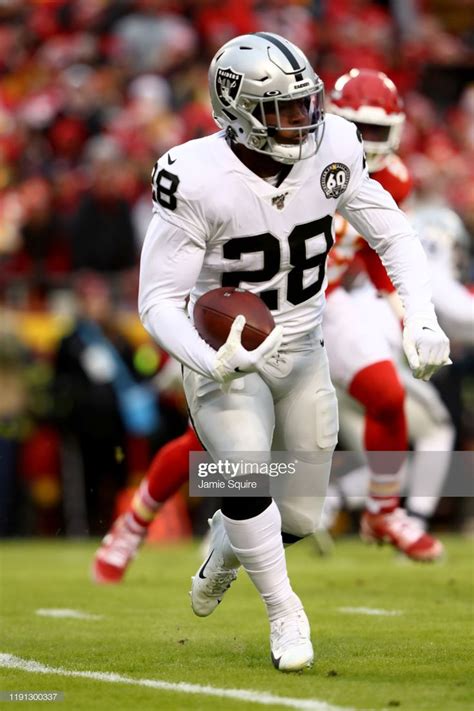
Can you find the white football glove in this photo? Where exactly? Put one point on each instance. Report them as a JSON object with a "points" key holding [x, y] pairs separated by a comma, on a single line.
{"points": [[234, 361], [426, 345]]}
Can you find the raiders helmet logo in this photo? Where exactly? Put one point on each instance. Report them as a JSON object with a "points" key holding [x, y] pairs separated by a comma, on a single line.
{"points": [[228, 85], [335, 179]]}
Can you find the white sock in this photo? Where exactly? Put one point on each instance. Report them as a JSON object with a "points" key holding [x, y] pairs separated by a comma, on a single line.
{"points": [[258, 545], [331, 507], [428, 471]]}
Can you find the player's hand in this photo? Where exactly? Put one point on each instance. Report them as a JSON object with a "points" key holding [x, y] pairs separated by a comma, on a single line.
{"points": [[234, 361], [426, 345]]}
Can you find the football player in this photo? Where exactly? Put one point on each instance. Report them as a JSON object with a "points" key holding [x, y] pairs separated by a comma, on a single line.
{"points": [[253, 206], [359, 355], [430, 428], [168, 471], [446, 244]]}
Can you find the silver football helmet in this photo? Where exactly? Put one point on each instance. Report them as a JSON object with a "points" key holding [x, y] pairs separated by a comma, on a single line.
{"points": [[255, 72]]}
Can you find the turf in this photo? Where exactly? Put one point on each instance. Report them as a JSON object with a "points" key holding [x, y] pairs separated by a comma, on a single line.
{"points": [[419, 660]]}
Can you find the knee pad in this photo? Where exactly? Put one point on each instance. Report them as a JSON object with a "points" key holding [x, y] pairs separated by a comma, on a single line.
{"points": [[300, 515], [327, 419]]}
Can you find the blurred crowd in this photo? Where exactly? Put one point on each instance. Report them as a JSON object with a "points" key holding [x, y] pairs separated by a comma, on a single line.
{"points": [[92, 92]]}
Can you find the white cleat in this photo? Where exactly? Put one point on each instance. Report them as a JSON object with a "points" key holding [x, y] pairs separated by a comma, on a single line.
{"points": [[290, 642], [212, 579]]}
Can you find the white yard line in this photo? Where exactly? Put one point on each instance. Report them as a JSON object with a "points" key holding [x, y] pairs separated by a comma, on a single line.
{"points": [[9, 661], [370, 611], [66, 612]]}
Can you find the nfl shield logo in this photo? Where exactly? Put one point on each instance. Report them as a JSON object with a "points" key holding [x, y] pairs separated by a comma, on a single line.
{"points": [[228, 85], [279, 201]]}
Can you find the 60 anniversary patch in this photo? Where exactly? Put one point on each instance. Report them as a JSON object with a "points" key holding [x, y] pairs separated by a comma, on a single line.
{"points": [[334, 179]]}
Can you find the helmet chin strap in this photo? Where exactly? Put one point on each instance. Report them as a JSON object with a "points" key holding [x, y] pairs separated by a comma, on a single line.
{"points": [[302, 151], [287, 154]]}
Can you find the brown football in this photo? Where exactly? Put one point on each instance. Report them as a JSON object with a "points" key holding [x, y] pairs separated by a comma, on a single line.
{"points": [[215, 311]]}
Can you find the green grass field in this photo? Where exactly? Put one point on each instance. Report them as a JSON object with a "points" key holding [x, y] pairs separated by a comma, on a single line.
{"points": [[420, 659]]}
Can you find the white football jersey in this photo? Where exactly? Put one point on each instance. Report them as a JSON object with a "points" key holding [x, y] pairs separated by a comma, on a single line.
{"points": [[216, 223]]}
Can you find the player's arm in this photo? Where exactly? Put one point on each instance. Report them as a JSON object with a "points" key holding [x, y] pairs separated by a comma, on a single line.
{"points": [[170, 265], [375, 269], [380, 279], [374, 213]]}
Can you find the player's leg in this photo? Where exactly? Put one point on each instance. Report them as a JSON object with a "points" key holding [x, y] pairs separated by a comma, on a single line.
{"points": [[378, 389], [306, 428], [360, 362], [360, 357], [405, 527], [348, 490], [366, 427], [168, 471], [403, 531], [432, 434], [238, 422], [257, 541]]}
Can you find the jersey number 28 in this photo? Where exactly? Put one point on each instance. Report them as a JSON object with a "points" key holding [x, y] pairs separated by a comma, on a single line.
{"points": [[164, 188], [269, 245]]}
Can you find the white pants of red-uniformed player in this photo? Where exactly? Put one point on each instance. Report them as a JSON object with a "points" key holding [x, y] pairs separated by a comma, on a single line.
{"points": [[429, 424], [353, 339]]}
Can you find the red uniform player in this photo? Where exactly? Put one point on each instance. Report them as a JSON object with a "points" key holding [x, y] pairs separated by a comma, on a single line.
{"points": [[359, 354]]}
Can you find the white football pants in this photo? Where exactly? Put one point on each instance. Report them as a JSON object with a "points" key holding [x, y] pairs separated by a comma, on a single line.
{"points": [[290, 406]]}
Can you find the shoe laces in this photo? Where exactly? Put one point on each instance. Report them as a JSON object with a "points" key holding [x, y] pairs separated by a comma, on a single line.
{"points": [[220, 581], [289, 630], [122, 546], [407, 528]]}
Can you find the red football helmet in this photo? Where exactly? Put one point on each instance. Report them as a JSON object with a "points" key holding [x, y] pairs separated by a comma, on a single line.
{"points": [[370, 99]]}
